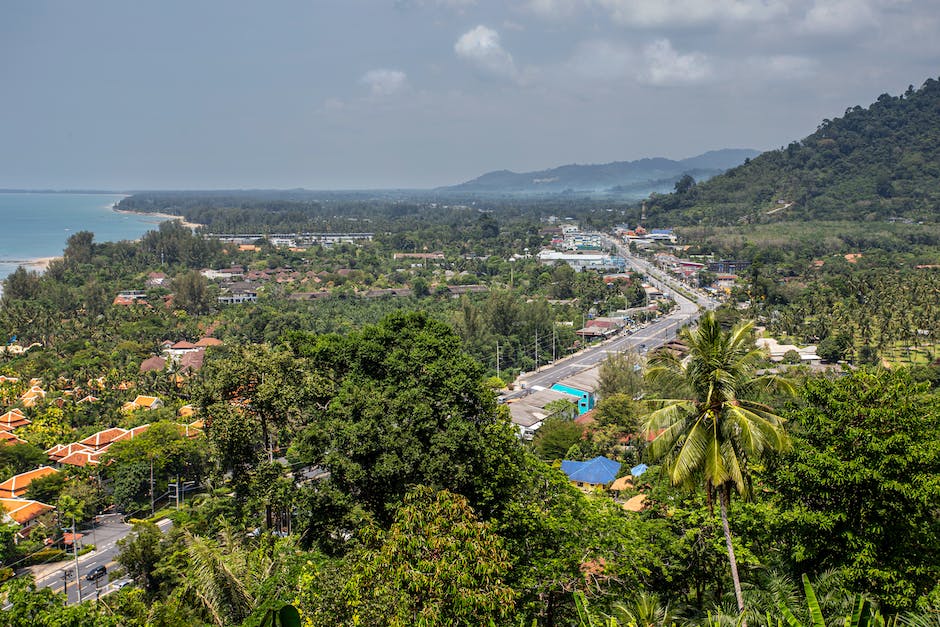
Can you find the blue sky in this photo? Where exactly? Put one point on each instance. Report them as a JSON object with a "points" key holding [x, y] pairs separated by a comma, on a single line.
{"points": [[418, 93]]}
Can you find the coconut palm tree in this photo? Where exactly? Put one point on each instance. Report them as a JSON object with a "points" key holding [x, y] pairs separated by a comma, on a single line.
{"points": [[715, 433]]}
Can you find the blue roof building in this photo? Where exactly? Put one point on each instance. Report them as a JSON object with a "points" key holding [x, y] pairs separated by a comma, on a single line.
{"points": [[599, 471]]}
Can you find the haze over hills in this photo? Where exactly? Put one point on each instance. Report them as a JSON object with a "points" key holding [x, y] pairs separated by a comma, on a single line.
{"points": [[636, 179], [874, 163]]}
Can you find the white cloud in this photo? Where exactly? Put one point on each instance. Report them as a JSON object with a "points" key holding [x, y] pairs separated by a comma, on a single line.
{"points": [[839, 17], [666, 66], [383, 82], [658, 13], [481, 47]]}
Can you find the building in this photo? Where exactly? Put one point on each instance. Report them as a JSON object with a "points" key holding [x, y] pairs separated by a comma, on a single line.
{"points": [[528, 413], [23, 512], [582, 386], [583, 261], [594, 473], [17, 485]]}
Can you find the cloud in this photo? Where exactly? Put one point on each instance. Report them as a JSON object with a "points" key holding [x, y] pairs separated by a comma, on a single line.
{"points": [[603, 60], [481, 47], [383, 82], [659, 13], [555, 9], [839, 17], [787, 66], [665, 66]]}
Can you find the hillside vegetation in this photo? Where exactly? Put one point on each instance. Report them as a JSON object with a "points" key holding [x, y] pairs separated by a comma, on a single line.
{"points": [[871, 164]]}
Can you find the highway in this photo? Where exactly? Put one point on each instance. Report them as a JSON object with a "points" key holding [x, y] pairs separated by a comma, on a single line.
{"points": [[645, 338]]}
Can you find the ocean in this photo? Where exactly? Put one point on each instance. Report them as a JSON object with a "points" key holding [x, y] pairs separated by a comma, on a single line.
{"points": [[34, 226]]}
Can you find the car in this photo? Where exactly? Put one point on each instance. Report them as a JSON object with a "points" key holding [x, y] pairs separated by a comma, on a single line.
{"points": [[96, 573], [122, 583]]}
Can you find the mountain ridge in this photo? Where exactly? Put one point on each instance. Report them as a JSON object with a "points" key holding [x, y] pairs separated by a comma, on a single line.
{"points": [[875, 163], [658, 172]]}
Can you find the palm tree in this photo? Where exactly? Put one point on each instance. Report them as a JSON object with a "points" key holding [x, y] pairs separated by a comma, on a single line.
{"points": [[715, 434]]}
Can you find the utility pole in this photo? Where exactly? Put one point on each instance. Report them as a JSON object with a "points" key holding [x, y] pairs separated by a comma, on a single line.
{"points": [[536, 350], [65, 583], [553, 341], [152, 511], [78, 583], [497, 359]]}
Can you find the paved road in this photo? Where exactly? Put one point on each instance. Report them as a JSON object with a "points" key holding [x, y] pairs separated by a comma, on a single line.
{"points": [[646, 338], [105, 538]]}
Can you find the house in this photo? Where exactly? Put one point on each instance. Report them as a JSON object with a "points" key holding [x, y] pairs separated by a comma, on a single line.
{"points": [[142, 402], [59, 451], [8, 439], [207, 342], [602, 327], [186, 411], [6, 379], [81, 458], [636, 504], [776, 351], [594, 473], [13, 419], [528, 413], [239, 293], [23, 512], [156, 279], [132, 433], [153, 364], [32, 396], [457, 290], [582, 386], [192, 361], [103, 439], [87, 399], [17, 485]]}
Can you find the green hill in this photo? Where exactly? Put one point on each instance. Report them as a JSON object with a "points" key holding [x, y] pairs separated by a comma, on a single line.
{"points": [[871, 164]]}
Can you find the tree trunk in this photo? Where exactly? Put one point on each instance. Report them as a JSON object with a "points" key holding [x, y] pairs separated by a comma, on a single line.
{"points": [[724, 497]]}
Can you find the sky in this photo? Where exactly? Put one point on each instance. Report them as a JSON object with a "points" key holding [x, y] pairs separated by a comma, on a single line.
{"points": [[349, 94]]}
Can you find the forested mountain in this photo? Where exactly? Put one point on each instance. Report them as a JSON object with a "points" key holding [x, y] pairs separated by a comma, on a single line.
{"points": [[875, 163], [635, 178]]}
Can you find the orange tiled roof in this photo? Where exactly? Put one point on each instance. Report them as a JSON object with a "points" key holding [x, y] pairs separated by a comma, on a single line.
{"points": [[10, 439], [186, 411], [21, 511], [18, 484], [103, 438], [80, 459], [13, 419], [59, 451], [209, 341]]}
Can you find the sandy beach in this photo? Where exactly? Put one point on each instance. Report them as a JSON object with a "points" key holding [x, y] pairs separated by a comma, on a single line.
{"points": [[39, 263], [163, 216]]}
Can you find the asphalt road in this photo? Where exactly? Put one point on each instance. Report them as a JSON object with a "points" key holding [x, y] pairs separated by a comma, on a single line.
{"points": [[105, 538], [645, 338]]}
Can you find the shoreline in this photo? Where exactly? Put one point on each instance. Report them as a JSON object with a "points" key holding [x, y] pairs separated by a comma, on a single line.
{"points": [[164, 216]]}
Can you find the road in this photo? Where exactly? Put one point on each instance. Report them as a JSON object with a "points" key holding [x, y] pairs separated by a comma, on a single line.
{"points": [[105, 537], [648, 337]]}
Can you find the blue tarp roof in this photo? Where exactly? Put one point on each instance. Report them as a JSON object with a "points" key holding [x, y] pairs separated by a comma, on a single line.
{"points": [[599, 470], [638, 470]]}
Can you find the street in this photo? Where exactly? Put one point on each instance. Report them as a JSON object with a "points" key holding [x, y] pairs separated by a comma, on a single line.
{"points": [[105, 537], [651, 336]]}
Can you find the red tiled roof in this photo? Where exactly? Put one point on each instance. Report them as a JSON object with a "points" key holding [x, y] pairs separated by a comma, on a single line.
{"points": [[209, 341], [59, 451]]}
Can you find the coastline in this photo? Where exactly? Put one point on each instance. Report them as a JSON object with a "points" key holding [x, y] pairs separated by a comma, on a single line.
{"points": [[163, 216]]}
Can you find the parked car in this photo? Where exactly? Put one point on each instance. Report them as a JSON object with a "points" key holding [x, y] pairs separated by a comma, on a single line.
{"points": [[96, 573], [122, 583]]}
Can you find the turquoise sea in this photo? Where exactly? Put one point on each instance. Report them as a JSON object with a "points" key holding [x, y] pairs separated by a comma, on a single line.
{"points": [[35, 225]]}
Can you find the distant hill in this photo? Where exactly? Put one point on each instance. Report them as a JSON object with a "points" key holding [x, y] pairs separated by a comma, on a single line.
{"points": [[878, 163], [628, 178]]}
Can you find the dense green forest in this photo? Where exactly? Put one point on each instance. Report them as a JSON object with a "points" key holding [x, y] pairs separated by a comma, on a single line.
{"points": [[872, 163]]}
